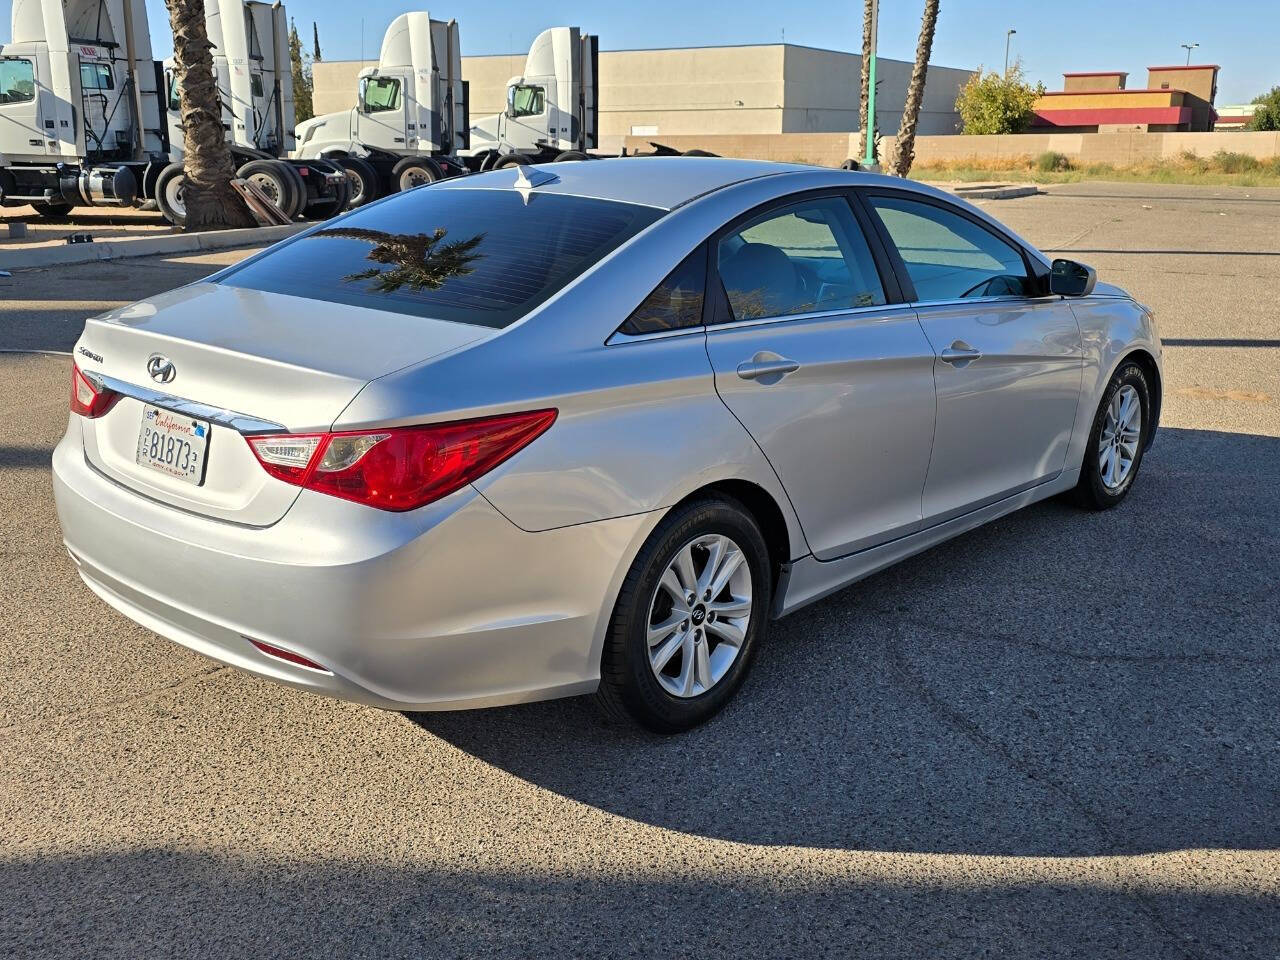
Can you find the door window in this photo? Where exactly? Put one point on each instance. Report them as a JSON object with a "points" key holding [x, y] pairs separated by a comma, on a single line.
{"points": [[810, 257], [948, 256], [171, 82], [255, 84], [17, 81], [677, 301], [381, 94], [526, 101]]}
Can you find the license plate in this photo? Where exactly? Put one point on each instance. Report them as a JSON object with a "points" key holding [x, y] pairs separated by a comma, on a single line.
{"points": [[173, 443]]}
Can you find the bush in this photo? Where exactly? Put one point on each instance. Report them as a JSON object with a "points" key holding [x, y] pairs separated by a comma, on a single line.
{"points": [[991, 103], [1052, 162], [1267, 114], [1228, 162]]}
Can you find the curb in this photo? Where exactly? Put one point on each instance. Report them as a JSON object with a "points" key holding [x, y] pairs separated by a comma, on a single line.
{"points": [[995, 193], [145, 246]]}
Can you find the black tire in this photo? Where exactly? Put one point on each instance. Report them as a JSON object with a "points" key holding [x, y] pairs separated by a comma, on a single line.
{"points": [[629, 688], [275, 181], [52, 212], [415, 172], [1092, 492], [327, 209], [697, 153], [849, 165], [570, 155], [511, 160], [363, 179], [168, 192], [487, 161], [299, 189]]}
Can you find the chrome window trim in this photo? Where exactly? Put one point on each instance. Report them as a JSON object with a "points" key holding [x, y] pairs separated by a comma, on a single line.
{"points": [[242, 423], [619, 337], [960, 301], [876, 309]]}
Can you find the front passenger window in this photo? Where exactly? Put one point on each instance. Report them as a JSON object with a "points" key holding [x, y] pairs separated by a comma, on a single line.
{"points": [[948, 256]]}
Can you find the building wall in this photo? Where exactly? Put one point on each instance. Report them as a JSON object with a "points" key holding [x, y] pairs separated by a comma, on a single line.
{"points": [[769, 88], [1075, 82], [1201, 82]]}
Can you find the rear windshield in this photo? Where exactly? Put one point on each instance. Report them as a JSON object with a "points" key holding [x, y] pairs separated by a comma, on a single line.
{"points": [[485, 257]]}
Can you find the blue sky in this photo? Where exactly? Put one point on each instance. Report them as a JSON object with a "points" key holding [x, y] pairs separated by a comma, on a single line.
{"points": [[1131, 35]]}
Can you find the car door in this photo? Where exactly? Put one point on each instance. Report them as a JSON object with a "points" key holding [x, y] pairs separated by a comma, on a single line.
{"points": [[1009, 357], [830, 373]]}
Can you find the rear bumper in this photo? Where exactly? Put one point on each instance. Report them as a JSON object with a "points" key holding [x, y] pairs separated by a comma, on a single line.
{"points": [[447, 607]]}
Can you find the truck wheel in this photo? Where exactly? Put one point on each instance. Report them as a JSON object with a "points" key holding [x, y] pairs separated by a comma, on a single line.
{"points": [[271, 177], [169, 186], [697, 153], [511, 160], [53, 212], [415, 172], [486, 161], [299, 187], [849, 164], [570, 155], [362, 180]]}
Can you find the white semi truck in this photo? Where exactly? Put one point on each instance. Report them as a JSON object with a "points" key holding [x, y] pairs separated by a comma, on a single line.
{"points": [[87, 117], [410, 123], [250, 42]]}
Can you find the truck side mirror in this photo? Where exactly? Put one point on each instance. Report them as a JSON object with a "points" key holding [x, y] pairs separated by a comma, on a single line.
{"points": [[1071, 279]]}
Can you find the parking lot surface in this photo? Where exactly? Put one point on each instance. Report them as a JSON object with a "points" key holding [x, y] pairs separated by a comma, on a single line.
{"points": [[1058, 735]]}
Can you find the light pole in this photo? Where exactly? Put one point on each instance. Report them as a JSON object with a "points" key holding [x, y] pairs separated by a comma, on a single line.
{"points": [[870, 158], [1008, 35], [1189, 47]]}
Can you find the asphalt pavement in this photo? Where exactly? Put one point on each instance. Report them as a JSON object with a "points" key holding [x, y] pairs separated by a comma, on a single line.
{"points": [[1056, 736]]}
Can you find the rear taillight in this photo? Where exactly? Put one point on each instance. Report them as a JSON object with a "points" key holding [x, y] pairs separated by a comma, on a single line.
{"points": [[398, 468], [87, 399]]}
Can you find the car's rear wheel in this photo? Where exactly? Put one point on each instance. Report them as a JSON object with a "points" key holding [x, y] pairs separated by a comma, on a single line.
{"points": [[1116, 441], [689, 617]]}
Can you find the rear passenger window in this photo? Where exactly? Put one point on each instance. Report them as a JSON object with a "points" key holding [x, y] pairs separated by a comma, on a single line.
{"points": [[810, 257], [948, 256], [677, 301]]}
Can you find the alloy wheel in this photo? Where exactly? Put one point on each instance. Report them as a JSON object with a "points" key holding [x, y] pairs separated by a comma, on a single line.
{"points": [[698, 615], [1121, 433]]}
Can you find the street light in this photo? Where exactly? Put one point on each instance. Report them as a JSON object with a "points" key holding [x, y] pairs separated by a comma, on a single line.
{"points": [[1007, 36], [1189, 47]]}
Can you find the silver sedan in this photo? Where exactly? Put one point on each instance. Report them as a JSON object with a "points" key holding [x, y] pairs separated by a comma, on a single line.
{"points": [[584, 427]]}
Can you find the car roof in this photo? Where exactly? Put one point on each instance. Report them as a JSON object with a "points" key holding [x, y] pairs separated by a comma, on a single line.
{"points": [[663, 182]]}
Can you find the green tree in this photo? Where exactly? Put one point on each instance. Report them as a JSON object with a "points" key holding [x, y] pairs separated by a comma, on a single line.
{"points": [[315, 42], [1267, 114], [303, 108], [995, 103]]}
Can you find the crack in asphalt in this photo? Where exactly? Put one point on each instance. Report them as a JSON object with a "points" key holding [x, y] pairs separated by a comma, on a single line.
{"points": [[114, 706], [951, 717]]}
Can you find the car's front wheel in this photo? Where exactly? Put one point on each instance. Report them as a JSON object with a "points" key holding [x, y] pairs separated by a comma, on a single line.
{"points": [[690, 614], [1116, 441]]}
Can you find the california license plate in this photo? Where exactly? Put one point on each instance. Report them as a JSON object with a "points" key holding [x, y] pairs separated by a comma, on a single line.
{"points": [[173, 443]]}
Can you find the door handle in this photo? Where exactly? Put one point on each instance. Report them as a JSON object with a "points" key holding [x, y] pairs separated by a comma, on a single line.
{"points": [[755, 369], [959, 353]]}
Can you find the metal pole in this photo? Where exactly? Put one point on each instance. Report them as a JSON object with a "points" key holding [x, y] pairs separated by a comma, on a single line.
{"points": [[870, 158], [131, 52], [1189, 47], [1008, 35]]}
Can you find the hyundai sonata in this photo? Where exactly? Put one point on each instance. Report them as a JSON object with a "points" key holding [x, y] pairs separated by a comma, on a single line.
{"points": [[584, 427]]}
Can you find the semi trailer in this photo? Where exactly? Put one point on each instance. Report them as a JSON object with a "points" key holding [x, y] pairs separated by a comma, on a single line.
{"points": [[88, 117], [410, 123]]}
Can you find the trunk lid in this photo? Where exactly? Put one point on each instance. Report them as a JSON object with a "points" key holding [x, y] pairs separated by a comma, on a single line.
{"points": [[267, 357]]}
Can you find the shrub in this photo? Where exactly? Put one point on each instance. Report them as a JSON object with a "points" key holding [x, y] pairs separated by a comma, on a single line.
{"points": [[1228, 162], [1051, 162], [991, 103], [1267, 114]]}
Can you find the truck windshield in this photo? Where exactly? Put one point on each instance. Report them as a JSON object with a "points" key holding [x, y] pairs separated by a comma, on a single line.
{"points": [[468, 255]]}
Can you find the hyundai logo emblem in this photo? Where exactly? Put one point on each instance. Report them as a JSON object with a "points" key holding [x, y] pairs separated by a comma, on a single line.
{"points": [[161, 368]]}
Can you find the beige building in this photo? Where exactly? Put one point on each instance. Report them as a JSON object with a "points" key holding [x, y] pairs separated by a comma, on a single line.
{"points": [[766, 88]]}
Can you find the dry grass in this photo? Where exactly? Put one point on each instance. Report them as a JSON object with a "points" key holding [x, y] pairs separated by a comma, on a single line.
{"points": [[1222, 169]]}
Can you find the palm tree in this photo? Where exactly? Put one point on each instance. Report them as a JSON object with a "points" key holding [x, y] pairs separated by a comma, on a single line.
{"points": [[905, 152], [211, 202], [866, 79], [420, 261]]}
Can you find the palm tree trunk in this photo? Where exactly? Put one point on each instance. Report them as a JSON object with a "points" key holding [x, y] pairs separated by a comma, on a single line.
{"points": [[905, 152], [866, 79], [211, 202]]}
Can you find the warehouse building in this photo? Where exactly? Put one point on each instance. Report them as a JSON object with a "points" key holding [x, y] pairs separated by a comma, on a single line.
{"points": [[765, 88]]}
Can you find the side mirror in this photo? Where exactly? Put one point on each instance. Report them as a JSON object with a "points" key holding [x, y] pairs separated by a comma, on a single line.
{"points": [[1071, 279]]}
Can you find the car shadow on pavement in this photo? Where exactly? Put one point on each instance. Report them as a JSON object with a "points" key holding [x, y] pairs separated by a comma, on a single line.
{"points": [[1057, 683]]}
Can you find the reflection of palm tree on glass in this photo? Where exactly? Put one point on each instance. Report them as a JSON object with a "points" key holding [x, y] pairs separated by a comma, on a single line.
{"points": [[418, 260]]}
